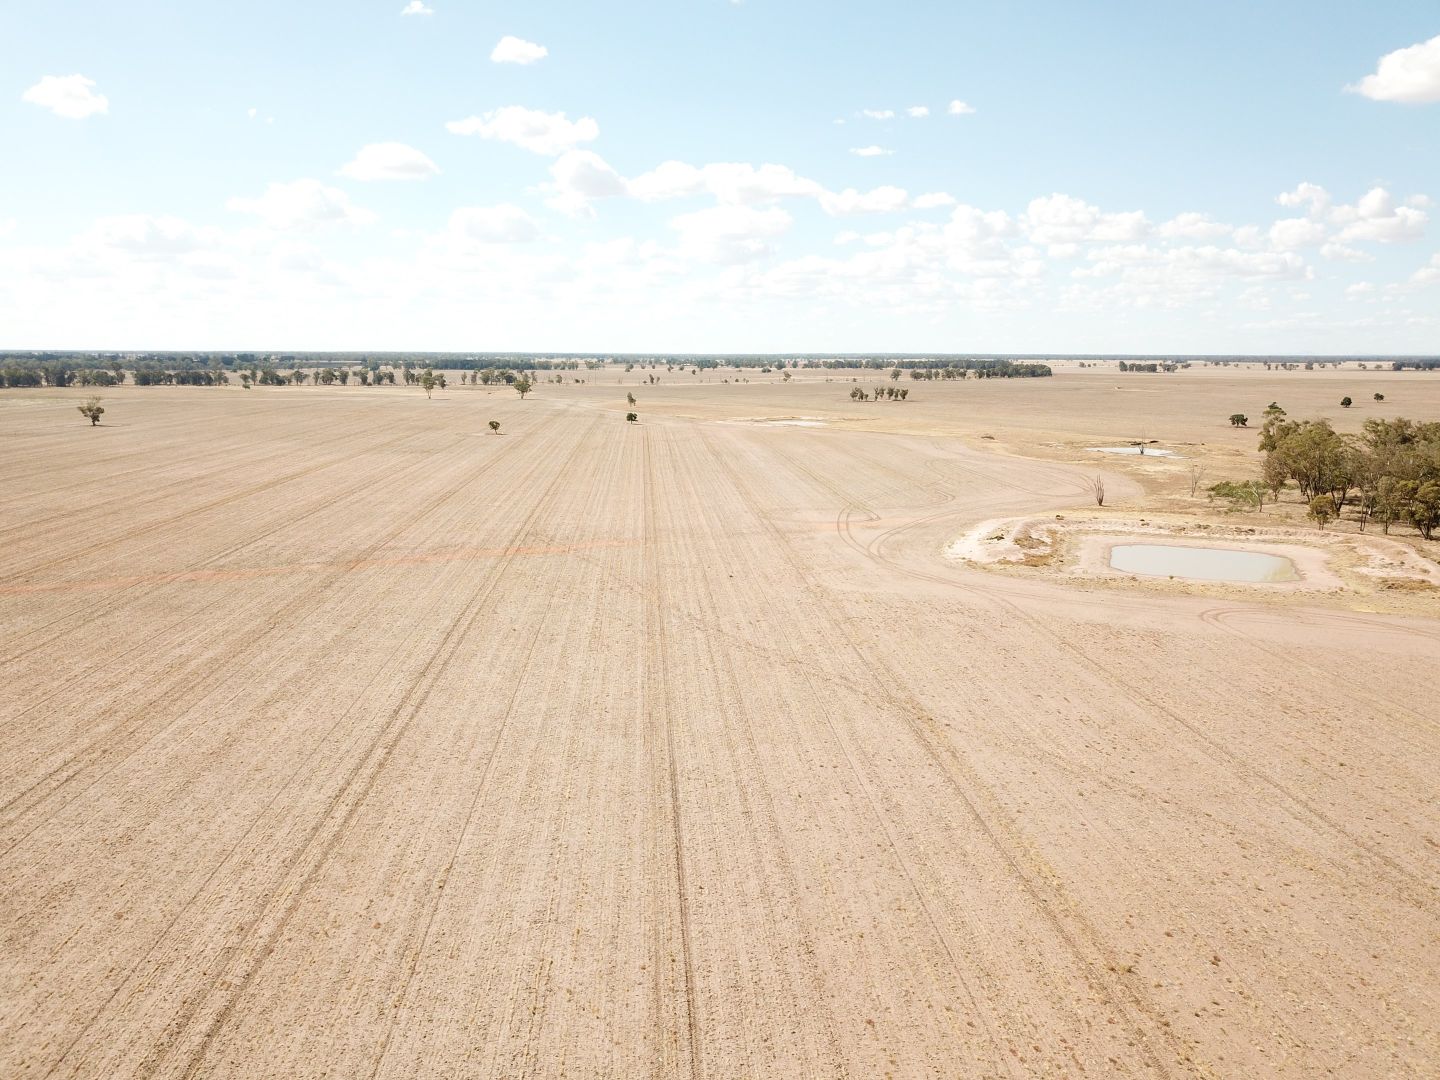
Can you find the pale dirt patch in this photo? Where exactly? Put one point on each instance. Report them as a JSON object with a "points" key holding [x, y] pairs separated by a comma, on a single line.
{"points": [[1078, 547]]}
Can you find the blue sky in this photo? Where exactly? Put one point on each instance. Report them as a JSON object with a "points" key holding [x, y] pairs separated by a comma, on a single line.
{"points": [[702, 175]]}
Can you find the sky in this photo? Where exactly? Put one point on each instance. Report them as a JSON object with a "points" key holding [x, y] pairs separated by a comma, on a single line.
{"points": [[720, 176]]}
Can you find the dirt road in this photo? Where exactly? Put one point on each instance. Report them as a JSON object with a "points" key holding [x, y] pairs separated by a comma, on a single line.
{"points": [[340, 737]]}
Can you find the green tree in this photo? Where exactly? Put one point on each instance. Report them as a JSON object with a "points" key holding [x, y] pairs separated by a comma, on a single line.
{"points": [[1239, 420], [523, 386], [630, 399], [427, 382], [1379, 397], [1345, 402], [632, 417], [495, 426], [92, 410], [1322, 509]]}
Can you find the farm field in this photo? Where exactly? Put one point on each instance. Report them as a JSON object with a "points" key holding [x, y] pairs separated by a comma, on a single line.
{"points": [[341, 737]]}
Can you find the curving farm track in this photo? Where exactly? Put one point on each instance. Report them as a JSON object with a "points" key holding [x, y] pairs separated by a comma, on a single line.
{"points": [[339, 737]]}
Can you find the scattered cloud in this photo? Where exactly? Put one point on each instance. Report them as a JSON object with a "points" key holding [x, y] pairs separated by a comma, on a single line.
{"points": [[1410, 75], [539, 132], [1314, 198], [870, 151], [932, 199], [1428, 273], [579, 177], [960, 108], [503, 224], [417, 7], [1063, 219], [1288, 234], [918, 112], [881, 200], [514, 50], [730, 234], [1376, 218], [1192, 226], [302, 205], [878, 114], [389, 161], [70, 96]]}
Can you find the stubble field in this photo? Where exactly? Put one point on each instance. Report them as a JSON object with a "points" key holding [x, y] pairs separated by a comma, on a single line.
{"points": [[339, 736]]}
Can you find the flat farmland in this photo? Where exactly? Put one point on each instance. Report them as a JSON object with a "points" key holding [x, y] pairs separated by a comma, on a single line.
{"points": [[341, 737]]}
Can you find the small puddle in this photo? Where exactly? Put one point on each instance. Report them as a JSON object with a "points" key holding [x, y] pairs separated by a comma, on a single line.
{"points": [[1138, 451], [1203, 564]]}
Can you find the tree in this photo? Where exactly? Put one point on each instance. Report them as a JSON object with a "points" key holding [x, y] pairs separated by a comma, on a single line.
{"points": [[1379, 397], [1322, 509], [523, 386], [495, 426], [427, 382], [91, 409], [1197, 474], [630, 399], [1345, 403], [1239, 420], [632, 417], [1097, 489]]}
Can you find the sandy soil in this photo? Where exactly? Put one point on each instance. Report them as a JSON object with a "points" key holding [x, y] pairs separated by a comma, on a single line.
{"points": [[340, 737]]}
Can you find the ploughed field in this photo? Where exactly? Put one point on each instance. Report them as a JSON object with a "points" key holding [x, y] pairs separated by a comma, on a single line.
{"points": [[339, 736]]}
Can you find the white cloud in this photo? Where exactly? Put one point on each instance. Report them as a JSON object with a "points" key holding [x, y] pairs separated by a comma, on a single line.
{"points": [[1063, 219], [1344, 253], [504, 224], [251, 113], [1288, 234], [1313, 197], [878, 114], [728, 182], [146, 234], [417, 7], [932, 199], [870, 151], [729, 234], [303, 205], [880, 200], [1192, 226], [70, 96], [389, 161], [514, 50], [1360, 288], [536, 131], [1409, 75], [580, 176], [1428, 273], [960, 108], [1375, 218], [918, 112]]}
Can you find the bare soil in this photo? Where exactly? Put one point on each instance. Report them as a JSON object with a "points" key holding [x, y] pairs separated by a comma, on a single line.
{"points": [[340, 737]]}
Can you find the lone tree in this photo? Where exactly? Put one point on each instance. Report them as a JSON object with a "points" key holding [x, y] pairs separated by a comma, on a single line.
{"points": [[1379, 397], [632, 417], [1345, 403], [495, 426], [91, 409], [428, 382], [523, 386], [630, 399], [1239, 420]]}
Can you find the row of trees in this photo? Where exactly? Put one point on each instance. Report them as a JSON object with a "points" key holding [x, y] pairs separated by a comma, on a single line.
{"points": [[882, 393], [1389, 473]]}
